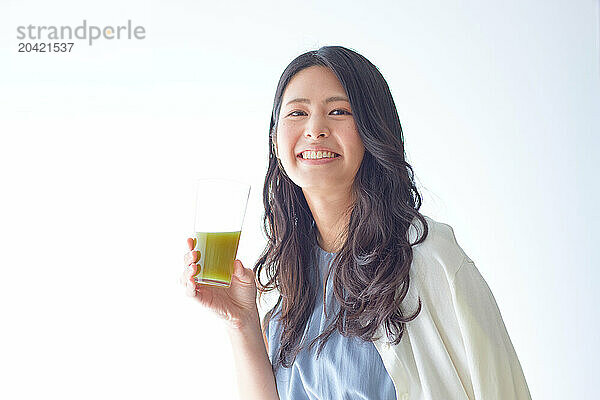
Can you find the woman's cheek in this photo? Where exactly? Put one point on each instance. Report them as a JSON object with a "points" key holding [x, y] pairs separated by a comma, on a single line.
{"points": [[288, 134], [286, 127]]}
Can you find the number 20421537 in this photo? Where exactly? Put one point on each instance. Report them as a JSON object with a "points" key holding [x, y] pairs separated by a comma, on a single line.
{"points": [[45, 47]]}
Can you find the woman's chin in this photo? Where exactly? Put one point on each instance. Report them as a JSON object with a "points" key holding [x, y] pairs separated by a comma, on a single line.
{"points": [[326, 184]]}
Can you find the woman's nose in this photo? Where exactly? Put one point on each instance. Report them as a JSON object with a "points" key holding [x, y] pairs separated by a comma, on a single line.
{"points": [[316, 129], [314, 134]]}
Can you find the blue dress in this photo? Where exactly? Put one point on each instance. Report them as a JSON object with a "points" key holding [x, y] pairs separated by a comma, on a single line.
{"points": [[347, 368]]}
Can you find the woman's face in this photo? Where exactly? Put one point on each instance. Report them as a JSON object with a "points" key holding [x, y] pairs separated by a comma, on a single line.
{"points": [[315, 115]]}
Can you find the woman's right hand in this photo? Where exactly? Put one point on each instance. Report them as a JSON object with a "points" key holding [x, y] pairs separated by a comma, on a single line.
{"points": [[235, 304]]}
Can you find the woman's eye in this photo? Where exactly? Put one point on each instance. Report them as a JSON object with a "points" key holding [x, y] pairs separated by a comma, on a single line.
{"points": [[337, 111], [340, 112]]}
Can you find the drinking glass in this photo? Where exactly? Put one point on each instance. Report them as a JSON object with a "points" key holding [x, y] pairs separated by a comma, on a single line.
{"points": [[220, 209]]}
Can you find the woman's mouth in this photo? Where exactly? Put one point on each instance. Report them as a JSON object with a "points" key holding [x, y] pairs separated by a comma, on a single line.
{"points": [[317, 155], [311, 157]]}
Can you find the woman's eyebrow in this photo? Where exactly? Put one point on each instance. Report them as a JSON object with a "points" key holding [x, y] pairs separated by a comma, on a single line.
{"points": [[327, 100]]}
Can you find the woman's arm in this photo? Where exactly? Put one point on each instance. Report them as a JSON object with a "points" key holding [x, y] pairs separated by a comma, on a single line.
{"points": [[493, 364], [253, 367]]}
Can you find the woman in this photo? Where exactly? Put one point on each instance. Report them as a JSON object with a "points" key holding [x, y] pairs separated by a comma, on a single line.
{"points": [[396, 314]]}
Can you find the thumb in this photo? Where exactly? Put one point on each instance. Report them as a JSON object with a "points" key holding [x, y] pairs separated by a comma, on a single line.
{"points": [[245, 275]]}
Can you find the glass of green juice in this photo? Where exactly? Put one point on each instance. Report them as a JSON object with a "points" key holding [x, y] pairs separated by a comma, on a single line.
{"points": [[220, 209]]}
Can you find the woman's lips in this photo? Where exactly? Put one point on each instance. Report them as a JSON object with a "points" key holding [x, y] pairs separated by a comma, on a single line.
{"points": [[318, 161]]}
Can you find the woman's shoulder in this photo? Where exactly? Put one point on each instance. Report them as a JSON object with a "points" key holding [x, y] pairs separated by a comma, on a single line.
{"points": [[440, 247]]}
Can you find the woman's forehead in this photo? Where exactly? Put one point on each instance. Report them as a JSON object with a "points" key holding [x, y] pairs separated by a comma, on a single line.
{"points": [[316, 83]]}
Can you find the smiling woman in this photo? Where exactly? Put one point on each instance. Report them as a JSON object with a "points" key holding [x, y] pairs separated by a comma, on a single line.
{"points": [[397, 307], [315, 121]]}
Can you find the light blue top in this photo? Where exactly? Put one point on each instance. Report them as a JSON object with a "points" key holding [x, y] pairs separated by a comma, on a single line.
{"points": [[347, 368]]}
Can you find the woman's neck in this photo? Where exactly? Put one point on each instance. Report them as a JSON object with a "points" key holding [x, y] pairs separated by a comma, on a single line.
{"points": [[330, 212]]}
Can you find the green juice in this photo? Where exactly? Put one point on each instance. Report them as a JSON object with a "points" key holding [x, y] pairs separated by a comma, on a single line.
{"points": [[217, 253]]}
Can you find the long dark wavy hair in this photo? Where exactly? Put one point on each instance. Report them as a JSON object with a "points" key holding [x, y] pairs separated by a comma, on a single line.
{"points": [[370, 273]]}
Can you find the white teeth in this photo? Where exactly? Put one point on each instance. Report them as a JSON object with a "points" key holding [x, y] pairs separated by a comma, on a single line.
{"points": [[315, 155]]}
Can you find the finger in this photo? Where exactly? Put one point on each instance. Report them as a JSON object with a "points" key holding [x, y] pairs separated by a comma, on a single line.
{"points": [[190, 271], [191, 257], [244, 275], [238, 269], [190, 289], [187, 274], [190, 243]]}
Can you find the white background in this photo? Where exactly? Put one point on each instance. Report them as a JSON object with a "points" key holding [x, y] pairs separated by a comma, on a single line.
{"points": [[99, 148]]}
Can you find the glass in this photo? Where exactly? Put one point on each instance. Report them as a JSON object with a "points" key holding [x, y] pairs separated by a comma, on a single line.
{"points": [[220, 209]]}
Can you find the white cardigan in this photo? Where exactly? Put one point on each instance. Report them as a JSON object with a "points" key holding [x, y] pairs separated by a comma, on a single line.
{"points": [[457, 347]]}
